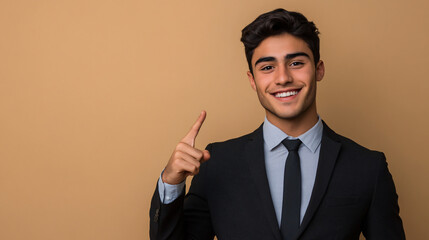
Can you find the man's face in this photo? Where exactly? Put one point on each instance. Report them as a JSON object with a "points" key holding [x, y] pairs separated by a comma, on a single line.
{"points": [[284, 77]]}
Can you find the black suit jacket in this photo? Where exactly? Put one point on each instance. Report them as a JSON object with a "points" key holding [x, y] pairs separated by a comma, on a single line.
{"points": [[230, 197]]}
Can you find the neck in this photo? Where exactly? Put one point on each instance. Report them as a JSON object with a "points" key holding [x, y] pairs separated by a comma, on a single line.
{"points": [[296, 126]]}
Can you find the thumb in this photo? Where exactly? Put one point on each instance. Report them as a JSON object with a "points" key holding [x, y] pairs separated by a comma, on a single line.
{"points": [[206, 156]]}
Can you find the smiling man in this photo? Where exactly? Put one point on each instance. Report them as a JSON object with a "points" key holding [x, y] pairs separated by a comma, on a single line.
{"points": [[284, 75], [293, 177]]}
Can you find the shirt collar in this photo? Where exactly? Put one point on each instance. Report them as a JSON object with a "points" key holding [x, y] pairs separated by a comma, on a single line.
{"points": [[273, 136]]}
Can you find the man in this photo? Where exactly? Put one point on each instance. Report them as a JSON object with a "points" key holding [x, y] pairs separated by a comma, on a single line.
{"points": [[292, 178]]}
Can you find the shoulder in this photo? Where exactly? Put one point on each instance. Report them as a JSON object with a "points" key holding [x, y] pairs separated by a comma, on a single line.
{"points": [[237, 150], [351, 149], [238, 142]]}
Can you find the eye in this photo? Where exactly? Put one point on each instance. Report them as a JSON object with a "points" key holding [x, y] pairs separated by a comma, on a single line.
{"points": [[296, 64], [267, 68]]}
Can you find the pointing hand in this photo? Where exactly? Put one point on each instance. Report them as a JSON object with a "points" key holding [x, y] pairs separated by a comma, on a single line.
{"points": [[186, 159]]}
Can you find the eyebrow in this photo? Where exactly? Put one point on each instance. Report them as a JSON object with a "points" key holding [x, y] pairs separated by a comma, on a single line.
{"points": [[288, 56], [265, 59], [294, 55]]}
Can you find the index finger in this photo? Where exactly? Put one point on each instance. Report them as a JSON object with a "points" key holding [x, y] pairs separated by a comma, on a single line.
{"points": [[192, 134]]}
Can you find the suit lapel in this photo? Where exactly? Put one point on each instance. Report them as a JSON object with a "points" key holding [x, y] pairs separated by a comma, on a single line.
{"points": [[329, 150], [256, 162]]}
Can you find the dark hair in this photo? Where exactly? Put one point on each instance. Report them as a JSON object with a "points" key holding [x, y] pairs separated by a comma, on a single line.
{"points": [[277, 22]]}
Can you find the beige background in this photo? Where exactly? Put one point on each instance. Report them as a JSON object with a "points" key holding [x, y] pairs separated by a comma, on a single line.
{"points": [[94, 96]]}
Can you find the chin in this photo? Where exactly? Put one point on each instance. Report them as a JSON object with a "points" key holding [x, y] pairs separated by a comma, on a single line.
{"points": [[284, 115], [291, 113], [288, 116]]}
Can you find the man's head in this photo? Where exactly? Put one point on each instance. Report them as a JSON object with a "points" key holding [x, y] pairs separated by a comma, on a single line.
{"points": [[275, 23], [282, 49]]}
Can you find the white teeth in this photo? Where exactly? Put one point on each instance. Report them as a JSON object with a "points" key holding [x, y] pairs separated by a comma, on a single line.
{"points": [[286, 94]]}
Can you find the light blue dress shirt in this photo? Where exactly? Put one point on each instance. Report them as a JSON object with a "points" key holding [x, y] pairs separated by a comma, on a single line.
{"points": [[168, 192], [275, 160]]}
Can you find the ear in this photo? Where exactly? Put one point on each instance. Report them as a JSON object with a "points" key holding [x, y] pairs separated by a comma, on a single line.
{"points": [[320, 70], [251, 80]]}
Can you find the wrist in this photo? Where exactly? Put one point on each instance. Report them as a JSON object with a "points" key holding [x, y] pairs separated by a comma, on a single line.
{"points": [[167, 179]]}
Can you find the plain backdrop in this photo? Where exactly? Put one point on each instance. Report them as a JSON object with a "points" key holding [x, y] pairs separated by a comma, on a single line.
{"points": [[94, 96]]}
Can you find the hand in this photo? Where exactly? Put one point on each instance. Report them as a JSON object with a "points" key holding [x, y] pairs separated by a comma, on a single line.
{"points": [[186, 159]]}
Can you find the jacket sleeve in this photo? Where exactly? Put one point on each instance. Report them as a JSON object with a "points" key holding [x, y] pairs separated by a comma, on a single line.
{"points": [[166, 220], [187, 217], [383, 220]]}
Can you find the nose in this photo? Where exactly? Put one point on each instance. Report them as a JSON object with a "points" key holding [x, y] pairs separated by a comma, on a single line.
{"points": [[283, 76]]}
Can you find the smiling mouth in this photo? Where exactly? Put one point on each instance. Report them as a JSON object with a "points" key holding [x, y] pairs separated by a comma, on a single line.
{"points": [[286, 94]]}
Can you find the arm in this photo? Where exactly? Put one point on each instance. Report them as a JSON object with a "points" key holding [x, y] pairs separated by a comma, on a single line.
{"points": [[383, 221], [187, 217], [167, 221]]}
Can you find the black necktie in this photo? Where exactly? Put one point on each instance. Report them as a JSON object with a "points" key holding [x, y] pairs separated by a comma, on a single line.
{"points": [[292, 191]]}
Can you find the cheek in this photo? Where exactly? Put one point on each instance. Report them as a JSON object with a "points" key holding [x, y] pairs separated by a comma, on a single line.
{"points": [[261, 84], [307, 77]]}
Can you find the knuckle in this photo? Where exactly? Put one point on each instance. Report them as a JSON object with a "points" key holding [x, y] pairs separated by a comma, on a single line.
{"points": [[176, 155], [179, 146], [176, 161]]}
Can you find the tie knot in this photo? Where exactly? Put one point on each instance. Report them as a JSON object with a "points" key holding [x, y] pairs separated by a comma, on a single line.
{"points": [[291, 145]]}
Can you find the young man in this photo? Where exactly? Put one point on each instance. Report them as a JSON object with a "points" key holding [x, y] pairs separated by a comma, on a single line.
{"points": [[292, 178]]}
